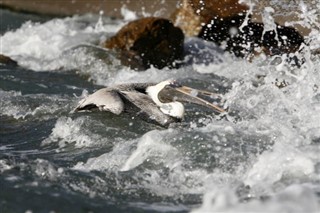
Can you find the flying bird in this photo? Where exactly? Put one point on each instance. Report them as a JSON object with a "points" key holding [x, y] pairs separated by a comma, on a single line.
{"points": [[157, 102]]}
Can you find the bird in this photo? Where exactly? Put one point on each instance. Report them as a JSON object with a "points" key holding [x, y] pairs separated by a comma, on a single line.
{"points": [[161, 103]]}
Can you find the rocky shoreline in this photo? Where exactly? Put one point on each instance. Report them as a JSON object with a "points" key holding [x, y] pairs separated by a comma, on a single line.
{"points": [[158, 40], [159, 8]]}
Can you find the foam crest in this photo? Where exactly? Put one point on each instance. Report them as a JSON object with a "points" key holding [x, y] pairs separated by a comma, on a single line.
{"points": [[112, 160], [159, 165], [34, 45], [151, 148], [127, 155], [68, 131]]}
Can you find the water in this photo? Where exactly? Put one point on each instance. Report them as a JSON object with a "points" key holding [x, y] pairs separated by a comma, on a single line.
{"points": [[262, 157]]}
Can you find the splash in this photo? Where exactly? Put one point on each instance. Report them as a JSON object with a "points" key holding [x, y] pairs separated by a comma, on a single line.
{"points": [[127, 14], [35, 45], [150, 146], [68, 131], [295, 198]]}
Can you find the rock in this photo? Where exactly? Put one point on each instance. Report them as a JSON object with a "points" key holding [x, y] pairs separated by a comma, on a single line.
{"points": [[7, 61], [221, 22], [192, 14], [155, 40], [185, 18], [225, 32], [251, 38], [209, 9], [283, 40]]}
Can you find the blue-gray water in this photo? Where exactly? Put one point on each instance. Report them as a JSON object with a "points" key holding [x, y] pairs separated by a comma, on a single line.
{"points": [[262, 157]]}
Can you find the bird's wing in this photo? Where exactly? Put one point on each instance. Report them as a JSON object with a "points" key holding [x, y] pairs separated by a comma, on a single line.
{"points": [[105, 99], [147, 106]]}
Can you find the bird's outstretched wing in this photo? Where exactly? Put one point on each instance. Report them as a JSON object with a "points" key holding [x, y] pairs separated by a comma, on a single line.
{"points": [[105, 99], [147, 106]]}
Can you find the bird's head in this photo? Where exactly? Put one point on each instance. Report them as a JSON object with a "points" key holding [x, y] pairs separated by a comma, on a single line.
{"points": [[170, 94], [154, 90]]}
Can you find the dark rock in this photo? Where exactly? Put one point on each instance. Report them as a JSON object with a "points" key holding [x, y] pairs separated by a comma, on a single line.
{"points": [[155, 40], [7, 60], [251, 39], [284, 40], [226, 31]]}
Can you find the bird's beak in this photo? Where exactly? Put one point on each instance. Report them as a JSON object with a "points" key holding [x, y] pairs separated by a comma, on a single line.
{"points": [[188, 95]]}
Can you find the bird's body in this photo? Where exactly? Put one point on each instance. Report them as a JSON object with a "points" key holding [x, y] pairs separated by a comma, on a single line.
{"points": [[143, 99]]}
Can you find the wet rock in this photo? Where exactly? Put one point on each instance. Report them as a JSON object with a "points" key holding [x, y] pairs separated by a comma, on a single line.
{"points": [[283, 40], [7, 60], [155, 40], [251, 38], [226, 23], [225, 32], [217, 8], [192, 14], [185, 18]]}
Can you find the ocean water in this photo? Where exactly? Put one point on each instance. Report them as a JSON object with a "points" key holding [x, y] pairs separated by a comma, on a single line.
{"points": [[263, 156]]}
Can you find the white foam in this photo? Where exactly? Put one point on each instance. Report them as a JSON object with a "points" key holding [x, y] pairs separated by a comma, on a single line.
{"points": [[268, 21], [68, 131], [21, 106], [128, 15], [123, 157], [284, 161], [111, 161], [296, 198], [4, 165], [155, 149], [34, 45], [150, 147]]}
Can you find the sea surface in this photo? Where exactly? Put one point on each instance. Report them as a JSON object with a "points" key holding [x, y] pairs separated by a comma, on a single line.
{"points": [[263, 156]]}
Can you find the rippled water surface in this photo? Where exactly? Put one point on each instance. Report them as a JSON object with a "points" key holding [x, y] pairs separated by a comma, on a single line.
{"points": [[263, 156]]}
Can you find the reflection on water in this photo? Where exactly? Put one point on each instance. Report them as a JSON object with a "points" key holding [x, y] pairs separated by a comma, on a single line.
{"points": [[264, 155]]}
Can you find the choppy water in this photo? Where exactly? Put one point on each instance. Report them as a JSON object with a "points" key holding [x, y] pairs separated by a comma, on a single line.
{"points": [[263, 157]]}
